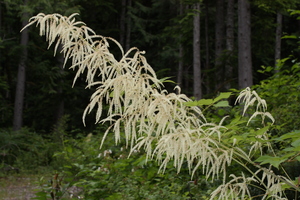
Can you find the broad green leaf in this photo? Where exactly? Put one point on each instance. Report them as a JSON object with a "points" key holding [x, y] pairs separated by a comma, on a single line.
{"points": [[289, 37], [274, 161], [201, 102], [296, 143], [293, 149], [223, 95], [291, 135], [69, 149], [222, 104], [191, 103], [262, 130], [207, 102], [204, 102]]}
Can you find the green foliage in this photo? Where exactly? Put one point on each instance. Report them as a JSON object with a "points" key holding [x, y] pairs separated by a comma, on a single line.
{"points": [[27, 150], [55, 189], [295, 12], [281, 91], [110, 174], [289, 151], [23, 149]]}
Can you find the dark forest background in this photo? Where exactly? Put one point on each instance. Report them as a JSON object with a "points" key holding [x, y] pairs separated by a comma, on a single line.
{"points": [[163, 28]]}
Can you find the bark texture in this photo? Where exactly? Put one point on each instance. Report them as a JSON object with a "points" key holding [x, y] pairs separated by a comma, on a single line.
{"points": [[219, 38], [122, 23], [244, 44], [208, 81], [197, 89], [21, 78], [128, 27], [180, 62], [229, 43]]}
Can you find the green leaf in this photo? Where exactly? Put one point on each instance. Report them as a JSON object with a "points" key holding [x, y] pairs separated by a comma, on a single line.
{"points": [[223, 95], [222, 104], [204, 102], [141, 161], [296, 143], [69, 149], [274, 161], [191, 103], [201, 102], [166, 80], [262, 130], [207, 102], [289, 37], [291, 135]]}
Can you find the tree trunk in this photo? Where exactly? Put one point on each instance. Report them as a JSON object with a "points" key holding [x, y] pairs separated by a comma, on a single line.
{"points": [[128, 27], [197, 89], [229, 43], [20, 88], [61, 103], [180, 61], [122, 23], [278, 39], [219, 34], [244, 44], [207, 54]]}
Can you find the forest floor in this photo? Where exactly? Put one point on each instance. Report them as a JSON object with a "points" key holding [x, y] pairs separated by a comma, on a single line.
{"points": [[24, 187], [18, 187]]}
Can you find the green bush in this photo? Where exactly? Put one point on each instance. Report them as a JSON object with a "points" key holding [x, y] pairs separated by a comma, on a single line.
{"points": [[110, 174], [27, 150]]}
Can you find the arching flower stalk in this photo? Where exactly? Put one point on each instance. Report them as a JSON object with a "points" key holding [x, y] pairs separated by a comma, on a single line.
{"points": [[151, 118]]}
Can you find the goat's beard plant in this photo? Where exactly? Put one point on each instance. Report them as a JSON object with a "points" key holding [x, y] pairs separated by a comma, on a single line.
{"points": [[159, 122]]}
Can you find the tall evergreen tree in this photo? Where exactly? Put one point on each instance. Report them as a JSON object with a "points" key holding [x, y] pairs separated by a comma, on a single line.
{"points": [[128, 25], [229, 43], [180, 61], [245, 76], [197, 80], [219, 40], [20, 89]]}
